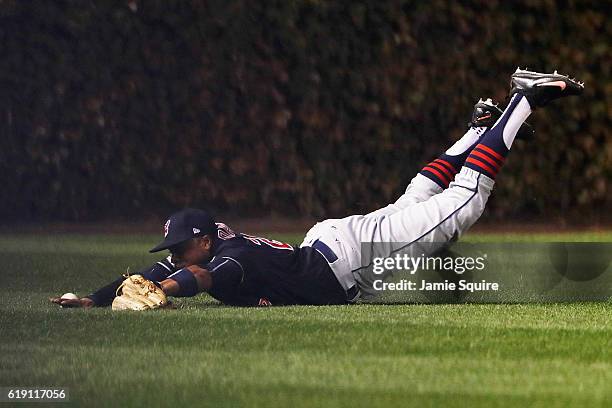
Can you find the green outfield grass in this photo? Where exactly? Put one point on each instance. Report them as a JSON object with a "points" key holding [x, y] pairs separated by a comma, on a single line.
{"points": [[204, 354]]}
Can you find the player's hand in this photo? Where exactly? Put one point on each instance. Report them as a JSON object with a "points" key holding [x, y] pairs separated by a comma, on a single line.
{"points": [[81, 302]]}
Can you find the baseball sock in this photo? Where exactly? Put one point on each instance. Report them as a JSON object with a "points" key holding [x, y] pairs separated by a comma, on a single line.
{"points": [[442, 170], [489, 155]]}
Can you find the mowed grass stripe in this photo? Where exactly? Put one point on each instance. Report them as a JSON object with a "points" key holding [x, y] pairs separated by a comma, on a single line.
{"points": [[276, 333], [325, 371]]}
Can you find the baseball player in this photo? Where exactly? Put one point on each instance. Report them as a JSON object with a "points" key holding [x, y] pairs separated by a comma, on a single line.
{"points": [[439, 205]]}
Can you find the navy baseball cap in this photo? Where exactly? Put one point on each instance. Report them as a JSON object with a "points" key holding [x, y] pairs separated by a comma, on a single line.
{"points": [[184, 225]]}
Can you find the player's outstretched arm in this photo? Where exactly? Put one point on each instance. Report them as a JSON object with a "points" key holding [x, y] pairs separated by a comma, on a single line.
{"points": [[188, 281], [105, 295]]}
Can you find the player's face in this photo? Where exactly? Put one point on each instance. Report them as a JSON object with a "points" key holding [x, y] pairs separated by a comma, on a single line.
{"points": [[191, 252]]}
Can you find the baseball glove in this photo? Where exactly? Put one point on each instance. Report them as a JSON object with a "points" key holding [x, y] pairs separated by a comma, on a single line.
{"points": [[138, 293]]}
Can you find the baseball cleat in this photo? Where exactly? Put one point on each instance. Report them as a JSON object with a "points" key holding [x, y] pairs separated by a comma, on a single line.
{"points": [[486, 113], [540, 89]]}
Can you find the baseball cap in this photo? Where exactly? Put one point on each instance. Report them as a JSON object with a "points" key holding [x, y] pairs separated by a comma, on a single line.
{"points": [[184, 225]]}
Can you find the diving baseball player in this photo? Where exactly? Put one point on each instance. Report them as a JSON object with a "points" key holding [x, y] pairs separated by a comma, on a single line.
{"points": [[440, 204]]}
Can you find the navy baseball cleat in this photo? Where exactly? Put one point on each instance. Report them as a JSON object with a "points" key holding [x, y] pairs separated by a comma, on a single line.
{"points": [[486, 113], [540, 89]]}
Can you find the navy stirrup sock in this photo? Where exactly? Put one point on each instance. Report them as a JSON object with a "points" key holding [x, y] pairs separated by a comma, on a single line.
{"points": [[490, 154]]}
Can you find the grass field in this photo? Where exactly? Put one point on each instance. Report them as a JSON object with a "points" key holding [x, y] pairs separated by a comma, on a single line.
{"points": [[203, 354]]}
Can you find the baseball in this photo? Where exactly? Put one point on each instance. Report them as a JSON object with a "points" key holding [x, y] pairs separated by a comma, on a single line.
{"points": [[69, 296]]}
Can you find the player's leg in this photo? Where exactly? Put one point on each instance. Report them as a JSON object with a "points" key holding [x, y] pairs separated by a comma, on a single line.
{"points": [[355, 240], [340, 234], [437, 175], [452, 212], [449, 213]]}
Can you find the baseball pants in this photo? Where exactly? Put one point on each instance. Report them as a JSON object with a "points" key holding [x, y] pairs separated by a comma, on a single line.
{"points": [[424, 219]]}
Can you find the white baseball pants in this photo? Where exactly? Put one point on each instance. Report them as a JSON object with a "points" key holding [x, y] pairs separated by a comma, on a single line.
{"points": [[423, 214]]}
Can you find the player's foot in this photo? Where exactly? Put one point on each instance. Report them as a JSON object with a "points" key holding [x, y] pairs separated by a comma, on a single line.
{"points": [[540, 89], [486, 113]]}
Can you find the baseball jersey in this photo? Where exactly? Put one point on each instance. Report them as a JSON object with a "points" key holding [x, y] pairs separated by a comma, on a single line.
{"points": [[250, 271]]}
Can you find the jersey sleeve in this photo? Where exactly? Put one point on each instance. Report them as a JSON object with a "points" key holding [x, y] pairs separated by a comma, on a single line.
{"points": [[228, 283], [227, 273], [157, 272]]}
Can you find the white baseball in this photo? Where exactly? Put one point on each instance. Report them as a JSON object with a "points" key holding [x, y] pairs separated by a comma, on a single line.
{"points": [[69, 296]]}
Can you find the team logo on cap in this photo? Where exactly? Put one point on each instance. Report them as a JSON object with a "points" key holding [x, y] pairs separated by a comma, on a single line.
{"points": [[195, 230], [166, 226], [264, 302]]}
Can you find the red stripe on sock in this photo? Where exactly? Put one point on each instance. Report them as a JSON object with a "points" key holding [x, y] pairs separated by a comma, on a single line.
{"points": [[491, 152], [442, 178], [490, 155], [444, 169], [447, 164], [482, 165], [489, 160]]}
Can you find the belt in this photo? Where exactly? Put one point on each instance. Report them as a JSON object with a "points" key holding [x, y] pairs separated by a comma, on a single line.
{"points": [[326, 251], [352, 293]]}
